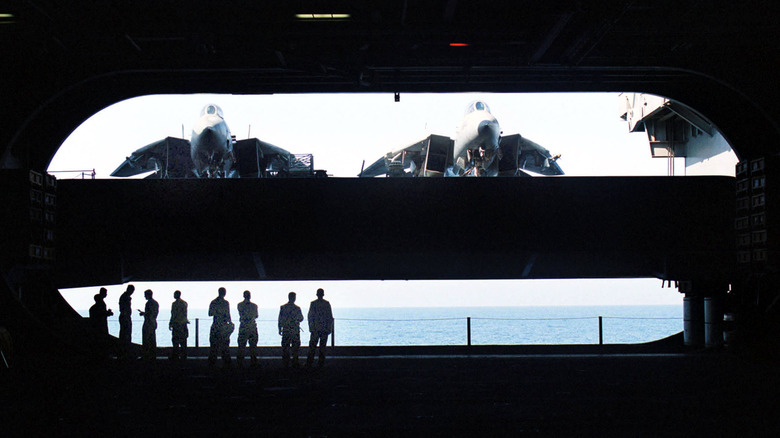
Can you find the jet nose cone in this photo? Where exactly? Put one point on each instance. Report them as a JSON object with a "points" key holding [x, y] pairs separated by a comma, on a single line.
{"points": [[208, 133], [488, 126], [489, 129]]}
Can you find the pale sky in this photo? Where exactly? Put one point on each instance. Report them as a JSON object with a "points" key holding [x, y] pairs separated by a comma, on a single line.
{"points": [[342, 130]]}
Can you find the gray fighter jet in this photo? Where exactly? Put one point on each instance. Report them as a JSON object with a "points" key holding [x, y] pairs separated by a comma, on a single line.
{"points": [[212, 152], [211, 145], [478, 149]]}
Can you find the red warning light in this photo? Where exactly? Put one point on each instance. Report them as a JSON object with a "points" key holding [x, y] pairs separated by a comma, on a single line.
{"points": [[459, 45]]}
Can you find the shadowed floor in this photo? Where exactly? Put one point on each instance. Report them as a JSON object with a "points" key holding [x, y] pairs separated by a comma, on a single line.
{"points": [[695, 394]]}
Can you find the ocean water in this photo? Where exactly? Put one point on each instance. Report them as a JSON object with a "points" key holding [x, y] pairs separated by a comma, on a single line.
{"points": [[448, 325]]}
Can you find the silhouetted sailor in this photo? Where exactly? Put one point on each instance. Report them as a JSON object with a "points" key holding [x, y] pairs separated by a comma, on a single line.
{"points": [[98, 320], [125, 321], [221, 328], [98, 314], [178, 327], [149, 329], [290, 317], [320, 318], [247, 330]]}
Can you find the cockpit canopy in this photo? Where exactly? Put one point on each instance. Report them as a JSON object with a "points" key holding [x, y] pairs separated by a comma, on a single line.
{"points": [[477, 105], [212, 109]]}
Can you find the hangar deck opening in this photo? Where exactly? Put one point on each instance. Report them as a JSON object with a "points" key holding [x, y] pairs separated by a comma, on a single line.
{"points": [[343, 135], [597, 141]]}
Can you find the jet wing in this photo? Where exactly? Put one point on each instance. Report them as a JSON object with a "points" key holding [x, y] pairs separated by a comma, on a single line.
{"points": [[169, 157], [258, 159], [523, 157], [427, 157], [430, 156]]}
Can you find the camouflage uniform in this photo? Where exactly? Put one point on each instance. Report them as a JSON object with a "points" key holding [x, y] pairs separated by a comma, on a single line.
{"points": [[290, 317], [221, 328], [247, 330]]}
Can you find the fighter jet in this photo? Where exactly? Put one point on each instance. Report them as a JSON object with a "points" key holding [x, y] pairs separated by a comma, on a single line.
{"points": [[211, 145], [212, 152], [477, 150]]}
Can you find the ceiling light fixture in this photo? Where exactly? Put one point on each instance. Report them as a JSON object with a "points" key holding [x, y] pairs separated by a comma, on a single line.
{"points": [[322, 16]]}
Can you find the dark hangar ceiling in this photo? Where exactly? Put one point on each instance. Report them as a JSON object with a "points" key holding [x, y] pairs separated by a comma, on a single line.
{"points": [[62, 62]]}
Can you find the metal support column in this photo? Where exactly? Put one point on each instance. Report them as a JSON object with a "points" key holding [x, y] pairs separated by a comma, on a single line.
{"points": [[468, 331], [713, 322], [601, 330], [693, 321]]}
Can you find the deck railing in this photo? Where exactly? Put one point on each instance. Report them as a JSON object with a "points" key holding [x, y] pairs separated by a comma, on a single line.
{"points": [[199, 330]]}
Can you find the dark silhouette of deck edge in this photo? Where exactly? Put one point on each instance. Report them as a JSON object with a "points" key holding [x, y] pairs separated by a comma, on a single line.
{"points": [[669, 345]]}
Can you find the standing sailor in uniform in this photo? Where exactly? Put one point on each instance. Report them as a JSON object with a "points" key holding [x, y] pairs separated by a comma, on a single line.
{"points": [[290, 317], [98, 313], [149, 329], [178, 327], [221, 328], [125, 321], [320, 318], [247, 329]]}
